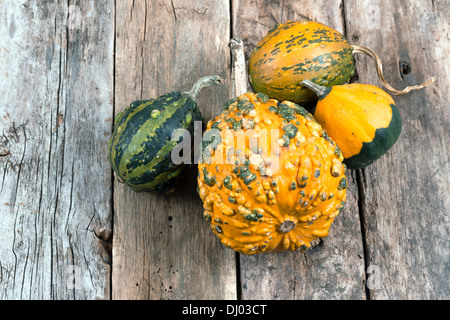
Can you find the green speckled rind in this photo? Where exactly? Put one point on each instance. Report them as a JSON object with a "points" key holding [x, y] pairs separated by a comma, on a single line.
{"points": [[299, 50]]}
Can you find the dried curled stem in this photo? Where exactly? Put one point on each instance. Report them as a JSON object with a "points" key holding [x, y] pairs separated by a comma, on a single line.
{"points": [[376, 58], [202, 83]]}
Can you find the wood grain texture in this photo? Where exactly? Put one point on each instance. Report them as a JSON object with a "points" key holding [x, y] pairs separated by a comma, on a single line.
{"points": [[66, 67], [55, 120], [162, 247], [334, 269], [239, 68], [406, 193]]}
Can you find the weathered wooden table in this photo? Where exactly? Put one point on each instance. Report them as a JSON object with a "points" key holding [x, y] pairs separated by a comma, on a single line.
{"points": [[69, 231]]}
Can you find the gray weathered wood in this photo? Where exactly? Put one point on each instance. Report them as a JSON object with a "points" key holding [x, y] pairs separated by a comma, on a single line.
{"points": [[162, 247], [406, 193], [67, 66], [239, 68], [55, 120], [334, 269]]}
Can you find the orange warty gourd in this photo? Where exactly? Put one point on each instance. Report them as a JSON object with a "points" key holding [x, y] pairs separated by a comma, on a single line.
{"points": [[271, 179]]}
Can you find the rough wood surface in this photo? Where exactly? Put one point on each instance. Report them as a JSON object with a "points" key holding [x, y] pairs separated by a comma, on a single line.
{"points": [[334, 269], [239, 75], [67, 67], [162, 247], [406, 193], [55, 120]]}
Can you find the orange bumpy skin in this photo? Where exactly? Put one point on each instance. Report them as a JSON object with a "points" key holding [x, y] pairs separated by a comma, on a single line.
{"points": [[279, 193]]}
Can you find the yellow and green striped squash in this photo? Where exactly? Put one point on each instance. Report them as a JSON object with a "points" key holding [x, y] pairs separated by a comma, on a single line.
{"points": [[299, 50]]}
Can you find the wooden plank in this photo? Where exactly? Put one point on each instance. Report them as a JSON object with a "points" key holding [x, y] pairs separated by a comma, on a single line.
{"points": [[406, 193], [55, 120], [162, 247], [334, 269]]}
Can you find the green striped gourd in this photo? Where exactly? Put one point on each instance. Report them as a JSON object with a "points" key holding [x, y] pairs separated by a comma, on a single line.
{"points": [[141, 145]]}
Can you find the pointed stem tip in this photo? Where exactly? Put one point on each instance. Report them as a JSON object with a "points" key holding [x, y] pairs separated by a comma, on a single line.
{"points": [[202, 83]]}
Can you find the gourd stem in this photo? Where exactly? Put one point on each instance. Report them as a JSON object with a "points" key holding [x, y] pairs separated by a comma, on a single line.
{"points": [[379, 64], [319, 90], [202, 83], [287, 226]]}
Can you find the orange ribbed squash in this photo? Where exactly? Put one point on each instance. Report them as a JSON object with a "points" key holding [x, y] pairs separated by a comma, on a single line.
{"points": [[271, 178]]}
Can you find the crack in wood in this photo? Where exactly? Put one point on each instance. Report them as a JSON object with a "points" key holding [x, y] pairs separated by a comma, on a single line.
{"points": [[173, 9], [142, 51], [344, 18], [4, 153], [358, 173], [21, 162], [360, 182]]}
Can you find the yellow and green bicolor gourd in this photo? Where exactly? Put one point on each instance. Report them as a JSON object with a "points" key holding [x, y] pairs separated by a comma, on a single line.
{"points": [[141, 145], [362, 119]]}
